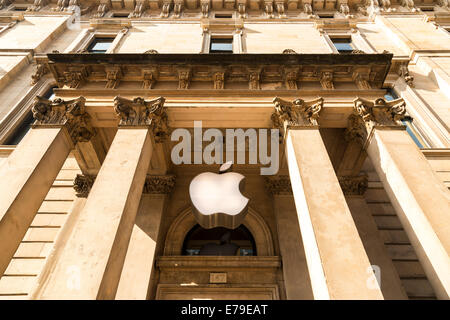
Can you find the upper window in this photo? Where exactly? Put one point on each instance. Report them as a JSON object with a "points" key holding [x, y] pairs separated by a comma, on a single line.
{"points": [[99, 45], [221, 45], [343, 45]]}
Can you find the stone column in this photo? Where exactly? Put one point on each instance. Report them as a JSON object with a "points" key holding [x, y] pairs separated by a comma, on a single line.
{"points": [[421, 200], [29, 172], [90, 264], [138, 268], [354, 188], [337, 262], [295, 269]]}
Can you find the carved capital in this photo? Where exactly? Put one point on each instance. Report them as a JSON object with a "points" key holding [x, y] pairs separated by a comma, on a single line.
{"points": [[278, 185], [353, 185], [140, 112], [159, 184], [70, 114], [83, 184], [298, 113], [369, 114]]}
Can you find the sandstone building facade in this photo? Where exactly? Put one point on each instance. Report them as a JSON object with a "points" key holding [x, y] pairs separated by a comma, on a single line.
{"points": [[92, 205]]}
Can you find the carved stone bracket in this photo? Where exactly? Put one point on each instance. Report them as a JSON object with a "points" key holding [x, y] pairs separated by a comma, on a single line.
{"points": [[280, 8], [103, 8], [138, 9], [140, 112], [159, 184], [41, 70], [75, 76], [165, 9], [268, 8], [113, 75], [60, 5], [184, 77], [177, 8], [254, 79], [298, 113], [83, 184], [326, 80], [353, 185], [278, 185], [205, 8], [404, 72], [71, 114], [219, 79], [150, 76], [369, 114], [38, 5], [241, 8], [362, 80], [291, 77]]}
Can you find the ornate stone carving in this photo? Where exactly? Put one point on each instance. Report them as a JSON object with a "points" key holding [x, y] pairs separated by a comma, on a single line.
{"points": [[369, 114], [159, 184], [165, 10], [177, 7], [60, 5], [113, 75], [280, 8], [290, 78], [268, 8], [140, 112], [150, 76], [151, 51], [102, 9], [72, 5], [408, 4], [139, 9], [71, 114], [253, 81], [184, 77], [343, 7], [404, 72], [41, 70], [307, 8], [298, 113], [362, 80], [278, 185], [205, 8], [443, 3], [357, 51], [289, 51], [353, 185], [37, 5], [4, 3], [326, 80], [74, 77], [219, 79], [83, 185], [241, 8]]}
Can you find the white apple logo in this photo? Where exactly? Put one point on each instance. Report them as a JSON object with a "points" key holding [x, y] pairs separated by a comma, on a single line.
{"points": [[217, 200]]}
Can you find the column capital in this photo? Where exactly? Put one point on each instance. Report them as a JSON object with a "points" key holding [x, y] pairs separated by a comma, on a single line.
{"points": [[83, 184], [159, 184], [380, 114], [296, 114], [354, 185], [70, 114], [140, 112], [278, 185]]}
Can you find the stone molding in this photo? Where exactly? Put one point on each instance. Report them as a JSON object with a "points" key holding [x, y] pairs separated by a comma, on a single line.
{"points": [[71, 114], [354, 185], [368, 115], [140, 112], [159, 184], [278, 185]]}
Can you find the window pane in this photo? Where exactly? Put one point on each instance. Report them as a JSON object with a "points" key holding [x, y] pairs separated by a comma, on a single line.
{"points": [[219, 45], [100, 45]]}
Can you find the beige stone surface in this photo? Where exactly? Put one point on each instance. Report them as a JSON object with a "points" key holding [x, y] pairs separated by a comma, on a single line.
{"points": [[105, 224], [337, 261]]}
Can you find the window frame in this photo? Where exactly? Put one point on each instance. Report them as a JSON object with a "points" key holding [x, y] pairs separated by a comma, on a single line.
{"points": [[236, 35], [357, 39]]}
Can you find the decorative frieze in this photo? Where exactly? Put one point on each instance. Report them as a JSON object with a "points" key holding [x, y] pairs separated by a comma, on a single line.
{"points": [[278, 185], [83, 184], [159, 184], [71, 114], [369, 114], [353, 185], [298, 113], [140, 112]]}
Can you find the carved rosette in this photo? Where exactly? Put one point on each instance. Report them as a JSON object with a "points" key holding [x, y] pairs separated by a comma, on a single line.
{"points": [[298, 113], [70, 114], [140, 112], [278, 185], [159, 184], [369, 114], [83, 184], [353, 185]]}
